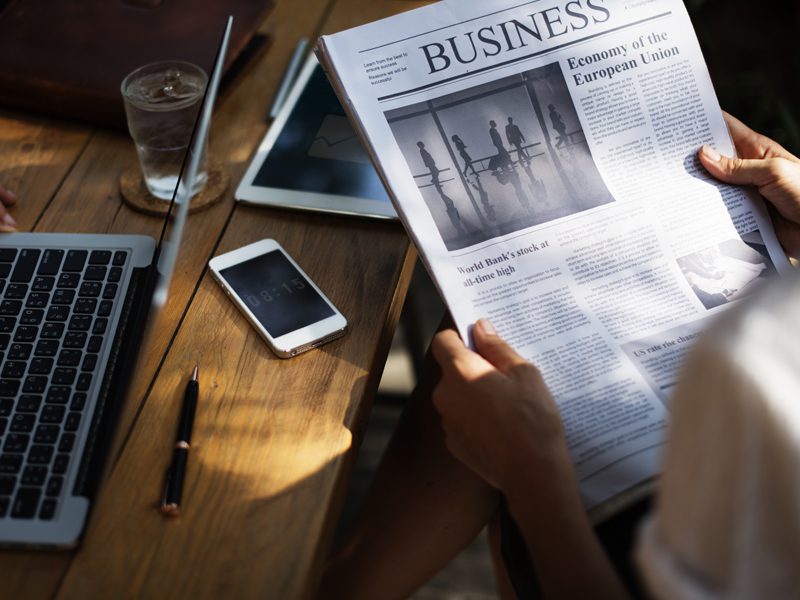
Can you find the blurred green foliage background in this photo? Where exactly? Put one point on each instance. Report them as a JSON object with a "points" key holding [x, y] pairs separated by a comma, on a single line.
{"points": [[752, 51]]}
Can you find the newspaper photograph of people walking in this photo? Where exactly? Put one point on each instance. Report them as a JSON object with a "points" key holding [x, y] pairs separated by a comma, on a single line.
{"points": [[500, 157]]}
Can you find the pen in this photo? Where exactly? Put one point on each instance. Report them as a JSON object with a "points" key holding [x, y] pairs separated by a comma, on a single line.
{"points": [[171, 504], [288, 77]]}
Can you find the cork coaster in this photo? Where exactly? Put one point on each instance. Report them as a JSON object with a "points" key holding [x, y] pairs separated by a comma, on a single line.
{"points": [[135, 193]]}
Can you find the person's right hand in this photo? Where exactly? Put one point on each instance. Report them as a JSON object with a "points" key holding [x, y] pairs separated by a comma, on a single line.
{"points": [[498, 416], [7, 222], [771, 168]]}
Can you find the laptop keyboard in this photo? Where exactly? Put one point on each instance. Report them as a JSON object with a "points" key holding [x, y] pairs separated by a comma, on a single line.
{"points": [[55, 307]]}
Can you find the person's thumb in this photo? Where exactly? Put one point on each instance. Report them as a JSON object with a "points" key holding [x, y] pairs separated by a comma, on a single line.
{"points": [[494, 349], [740, 171]]}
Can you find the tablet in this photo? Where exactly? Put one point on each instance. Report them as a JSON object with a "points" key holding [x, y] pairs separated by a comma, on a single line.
{"points": [[312, 159]]}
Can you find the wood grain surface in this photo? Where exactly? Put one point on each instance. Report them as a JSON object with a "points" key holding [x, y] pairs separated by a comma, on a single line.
{"points": [[35, 157], [274, 439]]}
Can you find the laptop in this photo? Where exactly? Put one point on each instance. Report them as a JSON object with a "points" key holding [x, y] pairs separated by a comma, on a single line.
{"points": [[72, 317]]}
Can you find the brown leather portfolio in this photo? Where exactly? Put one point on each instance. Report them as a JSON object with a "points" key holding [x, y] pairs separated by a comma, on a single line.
{"points": [[68, 57]]}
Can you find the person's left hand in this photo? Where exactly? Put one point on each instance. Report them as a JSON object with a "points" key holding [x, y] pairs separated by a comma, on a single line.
{"points": [[7, 222], [498, 415], [771, 168]]}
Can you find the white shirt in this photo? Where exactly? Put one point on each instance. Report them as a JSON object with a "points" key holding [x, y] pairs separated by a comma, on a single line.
{"points": [[727, 518]]}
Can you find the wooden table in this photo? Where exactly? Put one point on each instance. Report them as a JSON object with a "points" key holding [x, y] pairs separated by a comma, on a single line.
{"points": [[274, 439]]}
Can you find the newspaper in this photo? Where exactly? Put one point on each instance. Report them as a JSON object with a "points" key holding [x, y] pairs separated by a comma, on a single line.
{"points": [[542, 156]]}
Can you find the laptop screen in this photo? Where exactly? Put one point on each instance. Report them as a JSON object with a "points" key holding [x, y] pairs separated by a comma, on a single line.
{"points": [[168, 246]]}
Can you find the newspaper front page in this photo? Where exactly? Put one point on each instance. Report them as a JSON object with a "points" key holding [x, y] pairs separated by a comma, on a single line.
{"points": [[542, 155]]}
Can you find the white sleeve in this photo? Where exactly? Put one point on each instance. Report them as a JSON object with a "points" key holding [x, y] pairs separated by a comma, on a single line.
{"points": [[727, 519]]}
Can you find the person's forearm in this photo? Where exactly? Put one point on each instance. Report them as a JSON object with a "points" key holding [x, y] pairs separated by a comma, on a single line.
{"points": [[569, 560]]}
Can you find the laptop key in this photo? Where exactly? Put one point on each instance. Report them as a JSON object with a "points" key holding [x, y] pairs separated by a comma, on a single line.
{"points": [[51, 261], [25, 503], [100, 257], [64, 376], [22, 423], [75, 339], [57, 313], [3, 425], [29, 403], [57, 394], [52, 413], [10, 308], [85, 306], [76, 259], [26, 264], [52, 331], [7, 324], [5, 270], [41, 366], [100, 326], [40, 454], [95, 343], [94, 273], [26, 333], [19, 351], [16, 442], [31, 316], [89, 362], [60, 464], [54, 485], [5, 502], [46, 348], [84, 381], [10, 464], [37, 300], [105, 308], [34, 475], [47, 434], [73, 421], [6, 406], [4, 339], [16, 291], [78, 401], [8, 255], [80, 323], [43, 284], [7, 484], [63, 296], [8, 387], [115, 274], [48, 510], [109, 291], [69, 358], [13, 369], [120, 256], [69, 280], [90, 289], [67, 442], [35, 384]]}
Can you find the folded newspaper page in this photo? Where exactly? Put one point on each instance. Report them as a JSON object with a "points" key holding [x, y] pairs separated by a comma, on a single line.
{"points": [[542, 156]]}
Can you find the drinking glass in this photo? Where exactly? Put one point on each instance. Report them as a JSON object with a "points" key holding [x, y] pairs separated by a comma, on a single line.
{"points": [[161, 103]]}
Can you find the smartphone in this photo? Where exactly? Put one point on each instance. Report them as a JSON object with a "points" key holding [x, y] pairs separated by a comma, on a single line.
{"points": [[278, 298]]}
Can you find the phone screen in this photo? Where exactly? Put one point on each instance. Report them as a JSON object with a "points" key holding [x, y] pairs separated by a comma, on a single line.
{"points": [[277, 293]]}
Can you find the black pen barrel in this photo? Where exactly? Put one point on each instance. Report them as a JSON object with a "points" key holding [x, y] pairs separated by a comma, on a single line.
{"points": [[177, 473], [187, 413]]}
